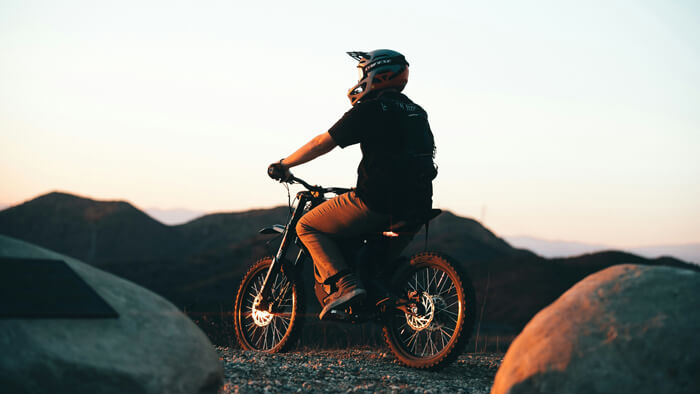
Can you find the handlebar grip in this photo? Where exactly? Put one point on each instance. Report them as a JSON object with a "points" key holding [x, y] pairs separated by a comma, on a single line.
{"points": [[275, 171], [271, 171]]}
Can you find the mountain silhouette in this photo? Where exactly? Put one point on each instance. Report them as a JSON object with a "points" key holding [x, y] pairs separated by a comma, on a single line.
{"points": [[92, 231], [689, 252], [465, 239], [197, 265]]}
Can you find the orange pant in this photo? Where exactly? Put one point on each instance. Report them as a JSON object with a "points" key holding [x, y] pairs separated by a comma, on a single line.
{"points": [[344, 216]]}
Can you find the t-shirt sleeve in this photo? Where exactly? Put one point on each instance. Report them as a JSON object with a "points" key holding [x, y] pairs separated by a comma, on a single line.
{"points": [[350, 129]]}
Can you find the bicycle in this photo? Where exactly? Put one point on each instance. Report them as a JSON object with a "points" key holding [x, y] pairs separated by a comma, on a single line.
{"points": [[425, 303]]}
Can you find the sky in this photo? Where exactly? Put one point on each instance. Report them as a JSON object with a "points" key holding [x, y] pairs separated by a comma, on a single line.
{"points": [[562, 120]]}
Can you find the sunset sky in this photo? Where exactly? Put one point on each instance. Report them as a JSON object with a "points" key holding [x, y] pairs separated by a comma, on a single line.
{"points": [[556, 119]]}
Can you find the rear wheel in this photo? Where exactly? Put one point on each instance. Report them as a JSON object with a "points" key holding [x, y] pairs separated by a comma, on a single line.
{"points": [[439, 323], [258, 328]]}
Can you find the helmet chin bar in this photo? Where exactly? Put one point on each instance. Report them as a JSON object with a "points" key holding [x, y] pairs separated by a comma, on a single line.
{"points": [[356, 92]]}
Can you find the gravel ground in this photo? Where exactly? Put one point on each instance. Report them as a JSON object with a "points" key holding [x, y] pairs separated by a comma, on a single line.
{"points": [[351, 370]]}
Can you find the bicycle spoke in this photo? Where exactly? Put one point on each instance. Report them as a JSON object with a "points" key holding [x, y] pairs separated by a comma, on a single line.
{"points": [[429, 342], [257, 343], [411, 287], [448, 312], [441, 283], [422, 353], [444, 336], [265, 340], [412, 338], [285, 323], [428, 280], [443, 343], [451, 289], [433, 346], [275, 331]]}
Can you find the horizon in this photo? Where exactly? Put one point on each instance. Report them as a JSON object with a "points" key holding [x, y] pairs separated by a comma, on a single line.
{"points": [[543, 246], [546, 248], [561, 121]]}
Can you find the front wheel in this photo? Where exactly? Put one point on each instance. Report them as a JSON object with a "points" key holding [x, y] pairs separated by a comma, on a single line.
{"points": [[258, 328], [439, 323]]}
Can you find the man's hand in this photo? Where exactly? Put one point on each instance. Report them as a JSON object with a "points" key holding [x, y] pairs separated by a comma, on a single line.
{"points": [[279, 172]]}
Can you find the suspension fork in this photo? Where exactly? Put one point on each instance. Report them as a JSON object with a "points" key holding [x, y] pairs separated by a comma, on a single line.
{"points": [[262, 300], [291, 271]]}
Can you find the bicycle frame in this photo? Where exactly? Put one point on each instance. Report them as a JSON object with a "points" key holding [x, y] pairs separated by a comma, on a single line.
{"points": [[306, 200]]}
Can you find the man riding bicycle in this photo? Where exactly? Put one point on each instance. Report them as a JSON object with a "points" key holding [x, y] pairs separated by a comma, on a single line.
{"points": [[394, 182]]}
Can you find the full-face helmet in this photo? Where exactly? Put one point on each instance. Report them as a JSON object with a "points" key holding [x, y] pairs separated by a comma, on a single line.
{"points": [[378, 69]]}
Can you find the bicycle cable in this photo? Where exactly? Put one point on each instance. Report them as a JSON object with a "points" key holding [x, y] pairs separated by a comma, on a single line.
{"points": [[289, 201]]}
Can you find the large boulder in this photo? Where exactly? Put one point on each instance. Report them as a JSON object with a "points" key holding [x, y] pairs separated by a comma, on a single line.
{"points": [[625, 329], [151, 348]]}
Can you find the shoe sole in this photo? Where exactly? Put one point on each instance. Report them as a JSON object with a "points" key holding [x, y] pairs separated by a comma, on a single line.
{"points": [[351, 298]]}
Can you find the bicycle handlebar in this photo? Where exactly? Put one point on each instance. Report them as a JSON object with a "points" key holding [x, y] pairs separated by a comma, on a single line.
{"points": [[277, 172], [320, 189]]}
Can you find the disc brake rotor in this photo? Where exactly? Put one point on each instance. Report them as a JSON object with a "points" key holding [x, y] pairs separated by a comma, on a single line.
{"points": [[422, 321], [260, 318]]}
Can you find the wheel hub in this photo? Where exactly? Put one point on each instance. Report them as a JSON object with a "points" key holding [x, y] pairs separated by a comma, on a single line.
{"points": [[420, 322], [261, 318]]}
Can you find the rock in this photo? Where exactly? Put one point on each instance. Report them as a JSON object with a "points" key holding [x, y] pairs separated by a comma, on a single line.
{"points": [[625, 329], [151, 348]]}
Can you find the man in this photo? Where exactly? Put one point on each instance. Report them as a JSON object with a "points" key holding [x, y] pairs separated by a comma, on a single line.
{"points": [[394, 177]]}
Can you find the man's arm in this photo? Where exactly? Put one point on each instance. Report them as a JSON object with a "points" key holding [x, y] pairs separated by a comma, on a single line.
{"points": [[319, 145]]}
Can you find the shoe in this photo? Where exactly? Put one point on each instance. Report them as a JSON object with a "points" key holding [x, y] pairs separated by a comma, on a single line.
{"points": [[349, 292]]}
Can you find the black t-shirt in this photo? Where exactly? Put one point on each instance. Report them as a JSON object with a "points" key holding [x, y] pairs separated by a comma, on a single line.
{"points": [[396, 171]]}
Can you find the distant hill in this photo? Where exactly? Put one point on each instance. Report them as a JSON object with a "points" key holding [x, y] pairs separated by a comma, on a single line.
{"points": [[197, 265], [466, 239], [549, 248], [92, 231], [173, 216], [686, 252]]}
